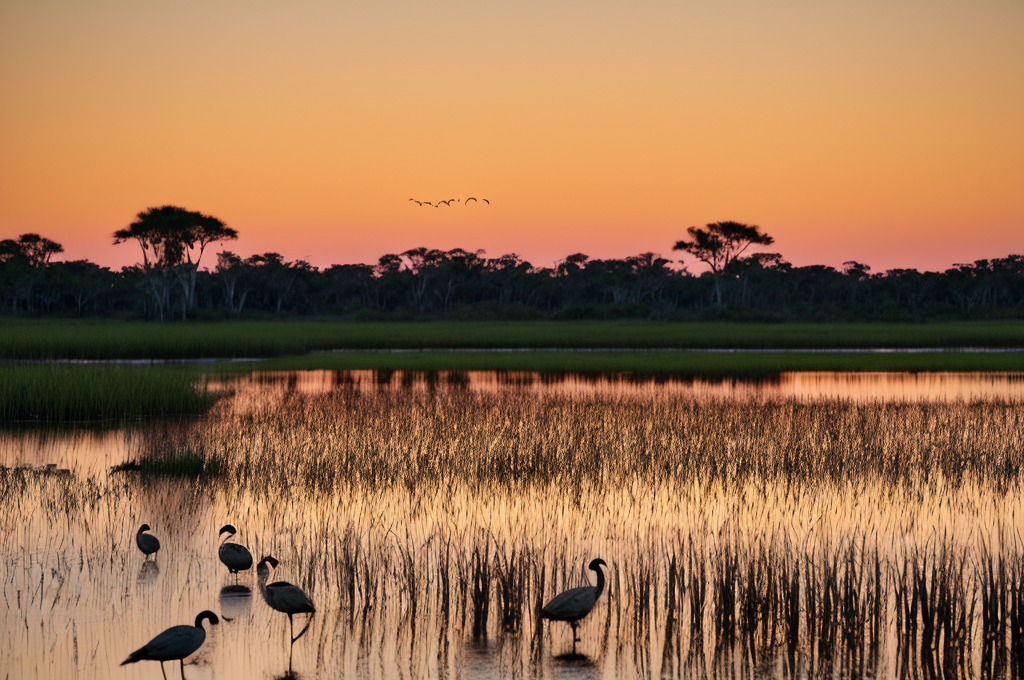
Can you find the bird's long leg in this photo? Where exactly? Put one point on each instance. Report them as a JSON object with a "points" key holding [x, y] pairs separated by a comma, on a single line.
{"points": [[309, 619], [182, 662], [162, 670]]}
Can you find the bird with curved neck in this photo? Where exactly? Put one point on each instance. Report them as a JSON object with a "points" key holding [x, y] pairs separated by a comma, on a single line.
{"points": [[283, 596], [177, 642], [576, 603], [234, 556], [147, 543]]}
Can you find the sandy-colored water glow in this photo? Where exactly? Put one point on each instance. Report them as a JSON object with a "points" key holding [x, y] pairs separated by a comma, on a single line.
{"points": [[428, 519]]}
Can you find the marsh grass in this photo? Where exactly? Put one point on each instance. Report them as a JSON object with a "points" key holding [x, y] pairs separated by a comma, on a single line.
{"points": [[67, 393], [746, 538], [737, 528], [425, 437]]}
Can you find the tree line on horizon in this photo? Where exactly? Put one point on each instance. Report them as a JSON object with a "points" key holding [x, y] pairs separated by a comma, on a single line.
{"points": [[421, 282]]}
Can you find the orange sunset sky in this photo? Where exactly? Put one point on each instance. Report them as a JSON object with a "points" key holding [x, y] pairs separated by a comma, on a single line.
{"points": [[888, 132]]}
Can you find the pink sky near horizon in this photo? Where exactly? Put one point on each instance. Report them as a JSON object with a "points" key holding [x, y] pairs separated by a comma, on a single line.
{"points": [[887, 133]]}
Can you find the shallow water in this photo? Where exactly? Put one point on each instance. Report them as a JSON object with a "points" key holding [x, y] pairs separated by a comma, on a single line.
{"points": [[428, 517]]}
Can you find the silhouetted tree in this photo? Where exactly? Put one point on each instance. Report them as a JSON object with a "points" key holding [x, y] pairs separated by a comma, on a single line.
{"points": [[276, 276], [173, 241], [719, 244], [25, 260], [652, 274], [349, 285], [235, 275], [510, 275], [81, 280]]}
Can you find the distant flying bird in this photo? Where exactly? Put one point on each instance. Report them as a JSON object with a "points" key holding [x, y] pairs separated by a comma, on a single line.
{"points": [[177, 642], [447, 202], [234, 556], [147, 543], [283, 596], [574, 604]]}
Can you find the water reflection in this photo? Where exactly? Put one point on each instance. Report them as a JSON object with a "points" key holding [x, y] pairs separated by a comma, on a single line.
{"points": [[87, 450], [235, 602], [429, 522], [574, 666], [148, 572], [858, 387]]}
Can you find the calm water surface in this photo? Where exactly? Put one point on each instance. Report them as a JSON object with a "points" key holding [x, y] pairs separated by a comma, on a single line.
{"points": [[429, 517]]}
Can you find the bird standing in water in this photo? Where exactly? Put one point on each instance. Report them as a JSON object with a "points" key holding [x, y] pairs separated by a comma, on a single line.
{"points": [[283, 596], [177, 642], [234, 556], [574, 604], [147, 543]]}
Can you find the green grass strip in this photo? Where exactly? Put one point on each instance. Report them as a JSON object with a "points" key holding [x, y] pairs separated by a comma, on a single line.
{"points": [[737, 364], [99, 340]]}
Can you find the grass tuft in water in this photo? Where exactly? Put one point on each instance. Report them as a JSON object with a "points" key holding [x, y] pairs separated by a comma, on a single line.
{"points": [[187, 464]]}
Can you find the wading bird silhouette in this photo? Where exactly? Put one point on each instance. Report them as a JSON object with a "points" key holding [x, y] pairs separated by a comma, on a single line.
{"points": [[177, 642], [574, 604], [234, 556], [283, 596], [147, 543]]}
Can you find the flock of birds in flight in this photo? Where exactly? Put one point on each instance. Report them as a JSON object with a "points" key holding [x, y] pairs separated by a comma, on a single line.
{"points": [[179, 642], [448, 202]]}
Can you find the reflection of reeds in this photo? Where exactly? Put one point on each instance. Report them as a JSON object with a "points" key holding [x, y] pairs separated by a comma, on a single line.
{"points": [[800, 539]]}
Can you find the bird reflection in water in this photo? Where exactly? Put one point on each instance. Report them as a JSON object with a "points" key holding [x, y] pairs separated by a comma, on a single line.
{"points": [[149, 571], [235, 602], [573, 666]]}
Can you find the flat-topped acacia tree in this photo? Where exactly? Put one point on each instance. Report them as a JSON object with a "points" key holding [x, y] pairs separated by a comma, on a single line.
{"points": [[720, 244], [173, 241]]}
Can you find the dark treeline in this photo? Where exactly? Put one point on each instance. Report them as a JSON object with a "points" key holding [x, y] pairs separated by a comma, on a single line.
{"points": [[426, 282]]}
